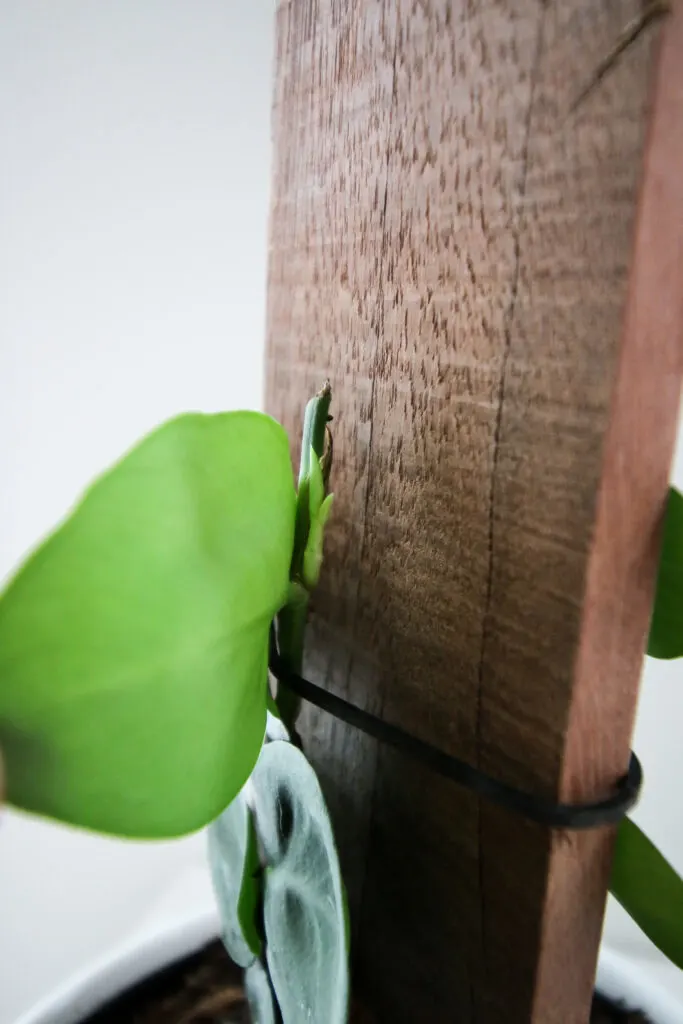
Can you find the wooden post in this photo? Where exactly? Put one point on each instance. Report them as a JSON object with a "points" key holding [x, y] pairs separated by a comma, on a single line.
{"points": [[467, 260]]}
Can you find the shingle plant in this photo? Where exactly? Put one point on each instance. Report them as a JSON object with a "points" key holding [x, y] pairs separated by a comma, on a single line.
{"points": [[135, 697], [134, 688]]}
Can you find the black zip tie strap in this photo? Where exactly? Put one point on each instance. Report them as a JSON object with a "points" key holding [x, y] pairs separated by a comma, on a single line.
{"points": [[536, 808]]}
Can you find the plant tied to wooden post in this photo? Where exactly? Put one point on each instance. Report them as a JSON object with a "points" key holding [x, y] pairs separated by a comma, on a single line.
{"points": [[135, 700], [293, 935], [134, 693]]}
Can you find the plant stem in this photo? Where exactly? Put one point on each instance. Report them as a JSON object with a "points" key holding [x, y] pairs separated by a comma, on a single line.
{"points": [[315, 424], [291, 620], [292, 627], [313, 440]]}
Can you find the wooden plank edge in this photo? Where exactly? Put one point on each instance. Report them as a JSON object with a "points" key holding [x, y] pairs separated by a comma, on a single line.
{"points": [[622, 566]]}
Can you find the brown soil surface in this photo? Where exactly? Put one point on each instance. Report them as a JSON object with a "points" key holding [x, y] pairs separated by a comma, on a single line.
{"points": [[207, 989]]}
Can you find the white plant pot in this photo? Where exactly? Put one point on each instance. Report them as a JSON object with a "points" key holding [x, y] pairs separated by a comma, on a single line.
{"points": [[641, 982], [631, 970], [116, 913], [638, 984], [83, 918], [122, 967]]}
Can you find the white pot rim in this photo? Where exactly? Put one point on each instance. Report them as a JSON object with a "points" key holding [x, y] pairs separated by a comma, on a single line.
{"points": [[641, 983], [626, 978], [121, 968]]}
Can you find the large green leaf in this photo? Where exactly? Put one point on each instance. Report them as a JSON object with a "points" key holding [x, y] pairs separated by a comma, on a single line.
{"points": [[304, 902], [666, 628], [134, 641], [649, 889]]}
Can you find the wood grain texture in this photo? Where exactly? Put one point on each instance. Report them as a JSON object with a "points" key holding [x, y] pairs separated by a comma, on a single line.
{"points": [[452, 249], [631, 502]]}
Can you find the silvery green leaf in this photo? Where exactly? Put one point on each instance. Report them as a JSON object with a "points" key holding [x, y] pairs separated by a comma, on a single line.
{"points": [[275, 727], [304, 908], [260, 995], [234, 863]]}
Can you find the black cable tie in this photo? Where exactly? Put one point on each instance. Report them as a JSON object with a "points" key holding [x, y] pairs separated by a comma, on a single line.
{"points": [[536, 808]]}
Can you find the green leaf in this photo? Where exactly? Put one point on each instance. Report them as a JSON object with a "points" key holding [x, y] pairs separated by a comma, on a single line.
{"points": [[313, 554], [249, 900], [235, 872], [134, 641], [666, 628], [315, 420], [304, 902], [316, 486], [325, 509], [649, 890], [312, 450]]}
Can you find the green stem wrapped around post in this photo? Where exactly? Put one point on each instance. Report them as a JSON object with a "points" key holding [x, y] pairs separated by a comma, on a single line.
{"points": [[312, 510]]}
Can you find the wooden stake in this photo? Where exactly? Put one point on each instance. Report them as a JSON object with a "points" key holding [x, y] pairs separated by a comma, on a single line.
{"points": [[454, 253]]}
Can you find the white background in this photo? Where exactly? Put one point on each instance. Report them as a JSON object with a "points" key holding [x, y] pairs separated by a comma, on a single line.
{"points": [[134, 176]]}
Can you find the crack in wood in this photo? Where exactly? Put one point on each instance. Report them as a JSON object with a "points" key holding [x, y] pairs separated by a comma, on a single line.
{"points": [[652, 11], [486, 624]]}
